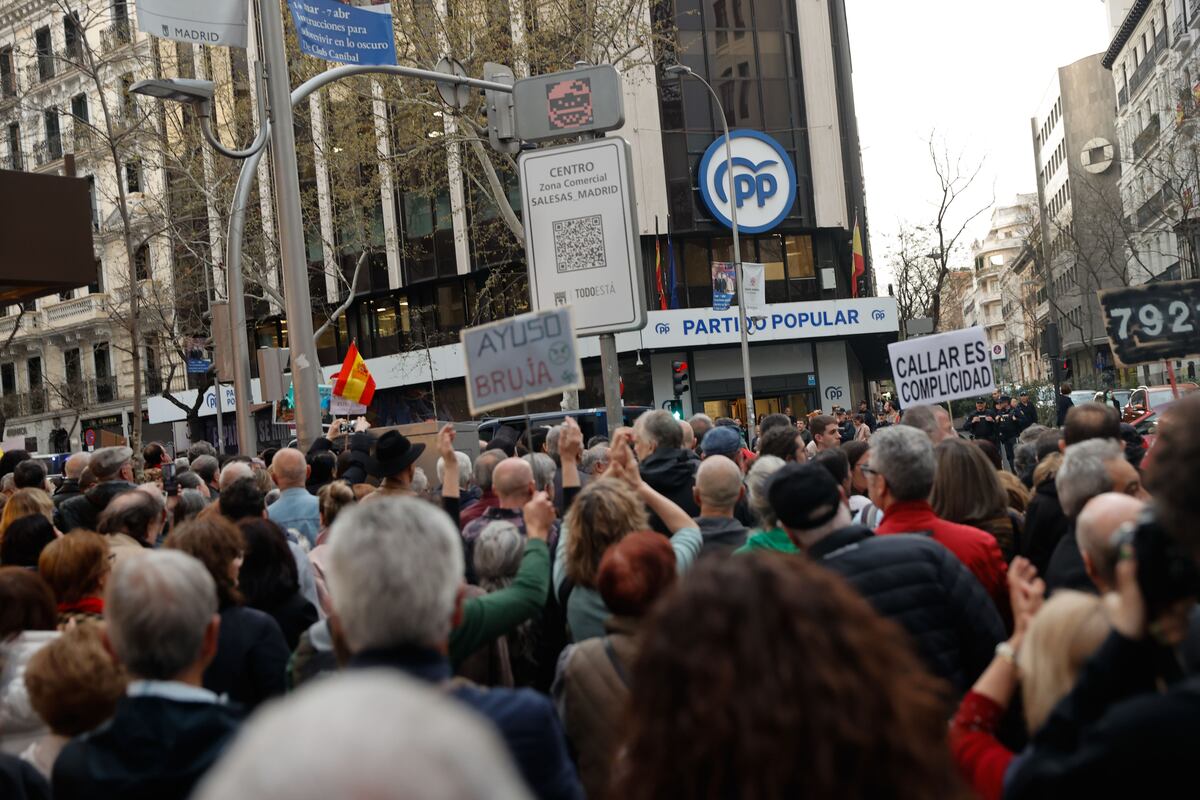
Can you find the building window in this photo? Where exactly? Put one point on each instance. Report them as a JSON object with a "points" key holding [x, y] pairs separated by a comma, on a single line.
{"points": [[73, 37], [53, 134], [79, 107], [45, 53], [106, 388], [72, 367], [120, 14], [8, 77], [14, 146], [8, 378], [141, 263], [133, 176]]}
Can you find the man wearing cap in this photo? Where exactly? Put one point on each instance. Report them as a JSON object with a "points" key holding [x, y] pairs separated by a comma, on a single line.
{"points": [[395, 461], [113, 470], [1008, 427], [722, 441], [1026, 411], [981, 423], [912, 580]]}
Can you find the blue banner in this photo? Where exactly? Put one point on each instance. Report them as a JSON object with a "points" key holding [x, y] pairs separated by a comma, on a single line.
{"points": [[724, 284], [346, 31]]}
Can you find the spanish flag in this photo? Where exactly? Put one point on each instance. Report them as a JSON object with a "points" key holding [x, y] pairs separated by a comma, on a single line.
{"points": [[354, 382], [860, 266]]}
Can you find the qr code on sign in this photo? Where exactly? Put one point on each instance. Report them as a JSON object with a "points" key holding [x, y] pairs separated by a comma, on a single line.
{"points": [[579, 243]]}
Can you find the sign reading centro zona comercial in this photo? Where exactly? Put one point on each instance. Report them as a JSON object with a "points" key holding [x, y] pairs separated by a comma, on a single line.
{"points": [[818, 319], [764, 181]]}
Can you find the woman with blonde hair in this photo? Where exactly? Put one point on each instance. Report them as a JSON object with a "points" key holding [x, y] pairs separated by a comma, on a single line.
{"points": [[1049, 646], [24, 503]]}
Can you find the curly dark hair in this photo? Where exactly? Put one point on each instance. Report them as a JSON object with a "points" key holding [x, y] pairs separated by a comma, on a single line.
{"points": [[269, 575], [779, 441], [767, 676]]}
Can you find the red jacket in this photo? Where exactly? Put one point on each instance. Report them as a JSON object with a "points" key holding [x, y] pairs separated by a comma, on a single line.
{"points": [[982, 760], [976, 549]]}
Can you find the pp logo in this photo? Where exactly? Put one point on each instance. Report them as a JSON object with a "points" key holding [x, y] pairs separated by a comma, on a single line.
{"points": [[878, 314], [833, 393], [764, 181], [662, 329]]}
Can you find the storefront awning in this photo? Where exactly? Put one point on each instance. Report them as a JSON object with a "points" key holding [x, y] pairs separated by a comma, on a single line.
{"points": [[45, 235]]}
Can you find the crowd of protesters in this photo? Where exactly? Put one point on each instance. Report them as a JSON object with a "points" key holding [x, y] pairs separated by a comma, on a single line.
{"points": [[838, 606]]}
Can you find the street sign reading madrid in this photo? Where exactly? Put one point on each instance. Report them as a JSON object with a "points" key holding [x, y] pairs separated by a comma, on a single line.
{"points": [[581, 238]]}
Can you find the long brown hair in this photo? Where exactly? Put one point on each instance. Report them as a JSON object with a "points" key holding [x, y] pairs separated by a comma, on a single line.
{"points": [[767, 676], [966, 488], [604, 512], [215, 542]]}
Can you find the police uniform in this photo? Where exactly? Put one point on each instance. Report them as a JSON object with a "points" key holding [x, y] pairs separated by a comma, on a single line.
{"points": [[1008, 428], [1026, 415], [981, 424]]}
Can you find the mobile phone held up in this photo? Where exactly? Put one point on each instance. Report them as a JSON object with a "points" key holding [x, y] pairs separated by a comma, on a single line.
{"points": [[170, 482]]}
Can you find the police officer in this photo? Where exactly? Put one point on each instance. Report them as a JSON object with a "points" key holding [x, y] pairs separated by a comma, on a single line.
{"points": [[981, 423], [1026, 412], [1008, 427]]}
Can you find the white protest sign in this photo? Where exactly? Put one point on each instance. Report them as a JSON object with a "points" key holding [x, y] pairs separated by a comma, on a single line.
{"points": [[212, 22], [754, 288], [948, 366], [521, 358], [340, 405]]}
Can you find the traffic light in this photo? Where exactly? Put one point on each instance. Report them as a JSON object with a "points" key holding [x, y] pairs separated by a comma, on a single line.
{"points": [[679, 377], [1066, 371]]}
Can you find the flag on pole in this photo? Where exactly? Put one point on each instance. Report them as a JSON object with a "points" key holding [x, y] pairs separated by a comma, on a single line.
{"points": [[672, 300], [658, 275], [354, 381], [860, 265]]}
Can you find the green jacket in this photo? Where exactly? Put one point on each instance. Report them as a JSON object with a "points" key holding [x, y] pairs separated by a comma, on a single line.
{"points": [[493, 615], [775, 539]]}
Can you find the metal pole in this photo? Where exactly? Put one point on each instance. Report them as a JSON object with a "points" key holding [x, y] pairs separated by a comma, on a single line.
{"points": [[247, 440], [220, 424], [306, 367], [737, 264], [611, 371]]}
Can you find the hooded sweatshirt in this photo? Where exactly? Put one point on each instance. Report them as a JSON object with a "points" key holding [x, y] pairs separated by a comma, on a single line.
{"points": [[670, 472]]}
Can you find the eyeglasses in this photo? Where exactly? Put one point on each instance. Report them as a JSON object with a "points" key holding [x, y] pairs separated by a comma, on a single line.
{"points": [[866, 470]]}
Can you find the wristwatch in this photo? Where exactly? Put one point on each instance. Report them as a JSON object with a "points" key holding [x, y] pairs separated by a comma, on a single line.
{"points": [[1005, 650]]}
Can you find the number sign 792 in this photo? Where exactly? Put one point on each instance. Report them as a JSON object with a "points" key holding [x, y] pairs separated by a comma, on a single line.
{"points": [[1153, 321]]}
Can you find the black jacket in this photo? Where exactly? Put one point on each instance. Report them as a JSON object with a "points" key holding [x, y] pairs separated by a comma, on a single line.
{"points": [[152, 749], [68, 489], [918, 583], [1045, 524], [1065, 404], [252, 657], [985, 428], [83, 511], [20, 781], [1026, 414], [295, 615], [1114, 735], [1066, 569], [670, 472], [1008, 425]]}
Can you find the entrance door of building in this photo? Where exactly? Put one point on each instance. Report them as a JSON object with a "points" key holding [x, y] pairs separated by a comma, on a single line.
{"points": [[800, 404]]}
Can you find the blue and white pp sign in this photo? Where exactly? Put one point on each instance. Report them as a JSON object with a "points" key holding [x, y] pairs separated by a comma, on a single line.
{"points": [[346, 31], [764, 181]]}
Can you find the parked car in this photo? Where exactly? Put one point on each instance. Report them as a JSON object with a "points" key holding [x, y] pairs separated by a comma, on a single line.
{"points": [[1147, 400]]}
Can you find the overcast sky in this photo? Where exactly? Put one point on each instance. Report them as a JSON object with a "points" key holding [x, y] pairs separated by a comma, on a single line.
{"points": [[974, 72]]}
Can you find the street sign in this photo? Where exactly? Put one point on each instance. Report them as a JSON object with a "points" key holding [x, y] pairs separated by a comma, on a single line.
{"points": [[456, 96], [998, 352], [521, 358], [502, 123], [764, 181], [947, 366], [89, 437], [1153, 321], [565, 104], [581, 237], [213, 22], [349, 33]]}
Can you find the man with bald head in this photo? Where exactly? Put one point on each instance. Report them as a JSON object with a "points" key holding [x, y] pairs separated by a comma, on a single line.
{"points": [[514, 486], [1087, 562], [295, 508], [717, 491], [71, 471]]}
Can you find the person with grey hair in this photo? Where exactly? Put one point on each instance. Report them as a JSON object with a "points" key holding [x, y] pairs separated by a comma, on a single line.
{"points": [[190, 503], [481, 472], [113, 468], [689, 437], [544, 469], [718, 490], [464, 470], [161, 625], [665, 466], [200, 448], [510, 660], [768, 536], [207, 467], [594, 461], [395, 577], [71, 471], [933, 421], [376, 735], [232, 471], [1089, 469], [899, 469], [192, 480], [700, 425]]}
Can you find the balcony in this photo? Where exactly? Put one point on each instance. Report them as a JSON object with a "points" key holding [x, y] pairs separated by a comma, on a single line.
{"points": [[1146, 68], [103, 388], [89, 308], [47, 152], [84, 138], [1148, 137], [1122, 97], [31, 325], [1155, 204], [115, 36], [1181, 36], [23, 404]]}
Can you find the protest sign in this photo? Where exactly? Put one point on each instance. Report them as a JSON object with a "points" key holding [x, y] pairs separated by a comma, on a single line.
{"points": [[1153, 321], [947, 366], [724, 278], [346, 31], [521, 358]]}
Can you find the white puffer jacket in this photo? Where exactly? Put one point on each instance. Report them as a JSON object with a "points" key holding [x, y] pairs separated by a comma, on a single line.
{"points": [[20, 726]]}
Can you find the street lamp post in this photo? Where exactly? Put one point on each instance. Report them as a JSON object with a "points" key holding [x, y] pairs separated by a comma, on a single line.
{"points": [[681, 71]]}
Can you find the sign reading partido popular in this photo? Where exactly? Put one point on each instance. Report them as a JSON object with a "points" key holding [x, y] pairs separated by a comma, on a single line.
{"points": [[1153, 321], [345, 31], [764, 181], [213, 22], [947, 366], [521, 358]]}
